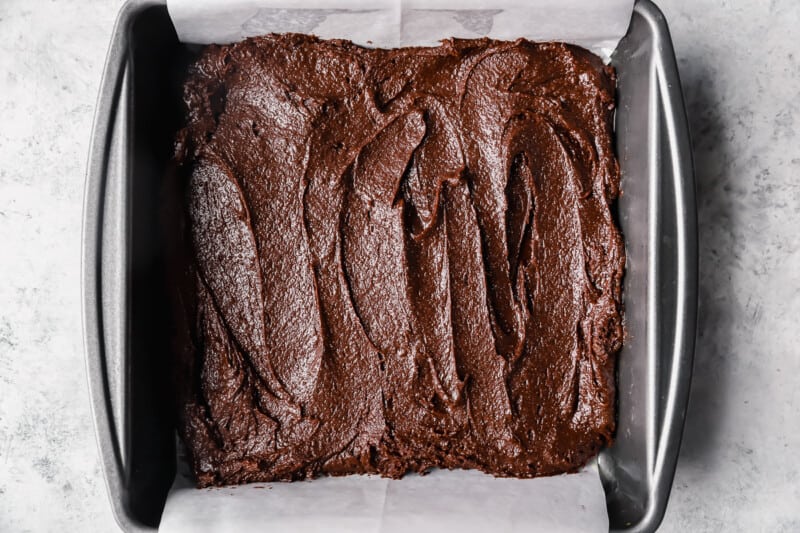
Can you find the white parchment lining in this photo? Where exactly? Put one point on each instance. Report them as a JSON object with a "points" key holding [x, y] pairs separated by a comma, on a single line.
{"points": [[443, 501]]}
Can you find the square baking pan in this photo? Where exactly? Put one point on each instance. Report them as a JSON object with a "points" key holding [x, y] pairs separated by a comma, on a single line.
{"points": [[125, 316]]}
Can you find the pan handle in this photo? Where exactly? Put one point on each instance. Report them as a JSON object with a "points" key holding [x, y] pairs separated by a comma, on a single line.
{"points": [[680, 177], [104, 264], [640, 499]]}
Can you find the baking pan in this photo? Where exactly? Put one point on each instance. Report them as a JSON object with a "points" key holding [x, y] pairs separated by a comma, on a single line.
{"points": [[125, 304]]}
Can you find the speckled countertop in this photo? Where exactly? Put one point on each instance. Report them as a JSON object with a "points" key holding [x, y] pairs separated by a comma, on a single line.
{"points": [[739, 468]]}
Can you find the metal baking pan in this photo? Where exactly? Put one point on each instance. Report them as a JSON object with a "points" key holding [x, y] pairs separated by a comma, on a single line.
{"points": [[124, 297]]}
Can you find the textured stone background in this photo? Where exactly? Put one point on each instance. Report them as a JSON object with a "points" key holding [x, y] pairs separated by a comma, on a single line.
{"points": [[741, 74]]}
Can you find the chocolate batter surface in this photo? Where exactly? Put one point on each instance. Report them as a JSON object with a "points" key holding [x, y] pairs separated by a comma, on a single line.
{"points": [[395, 260]]}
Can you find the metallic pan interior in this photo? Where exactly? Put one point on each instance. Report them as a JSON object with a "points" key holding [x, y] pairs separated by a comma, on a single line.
{"points": [[124, 314]]}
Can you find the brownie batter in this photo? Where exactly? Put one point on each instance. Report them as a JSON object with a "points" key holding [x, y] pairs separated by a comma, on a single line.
{"points": [[396, 260]]}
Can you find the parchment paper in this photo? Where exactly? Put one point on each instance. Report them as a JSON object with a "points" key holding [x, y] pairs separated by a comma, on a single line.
{"points": [[442, 501], [464, 501], [594, 24]]}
